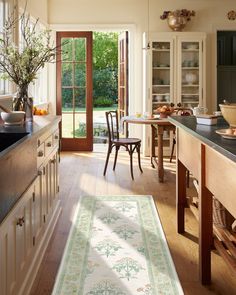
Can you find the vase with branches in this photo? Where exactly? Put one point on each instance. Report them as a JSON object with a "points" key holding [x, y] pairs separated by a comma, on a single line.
{"points": [[20, 63]]}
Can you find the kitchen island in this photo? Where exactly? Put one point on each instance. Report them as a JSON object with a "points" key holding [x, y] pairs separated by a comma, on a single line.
{"points": [[212, 161], [29, 203]]}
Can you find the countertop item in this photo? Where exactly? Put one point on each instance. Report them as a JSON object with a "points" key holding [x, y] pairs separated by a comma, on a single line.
{"points": [[207, 134]]}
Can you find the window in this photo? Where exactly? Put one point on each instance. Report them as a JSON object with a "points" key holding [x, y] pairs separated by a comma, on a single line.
{"points": [[4, 5]]}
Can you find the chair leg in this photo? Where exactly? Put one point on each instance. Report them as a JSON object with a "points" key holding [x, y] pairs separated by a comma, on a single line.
{"points": [[131, 161], [107, 159], [139, 160], [187, 178], [172, 149], [114, 165]]}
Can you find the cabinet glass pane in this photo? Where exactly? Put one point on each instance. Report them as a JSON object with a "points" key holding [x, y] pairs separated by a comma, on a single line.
{"points": [[160, 73], [190, 73]]}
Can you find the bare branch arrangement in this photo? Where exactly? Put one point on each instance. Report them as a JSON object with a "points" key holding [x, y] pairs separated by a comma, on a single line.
{"points": [[21, 63]]}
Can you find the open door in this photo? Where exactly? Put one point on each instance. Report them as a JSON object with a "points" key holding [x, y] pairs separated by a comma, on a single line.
{"points": [[123, 75], [74, 90]]}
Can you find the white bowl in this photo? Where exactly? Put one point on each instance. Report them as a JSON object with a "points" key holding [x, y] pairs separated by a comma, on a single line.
{"points": [[229, 113], [13, 118]]}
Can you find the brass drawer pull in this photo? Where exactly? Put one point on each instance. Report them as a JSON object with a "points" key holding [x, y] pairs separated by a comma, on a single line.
{"points": [[40, 154], [20, 221], [49, 144]]}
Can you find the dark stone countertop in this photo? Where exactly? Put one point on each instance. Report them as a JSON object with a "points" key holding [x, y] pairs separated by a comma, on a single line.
{"points": [[18, 162], [39, 126], [207, 134]]}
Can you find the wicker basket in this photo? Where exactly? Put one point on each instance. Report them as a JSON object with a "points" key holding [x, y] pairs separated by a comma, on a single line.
{"points": [[221, 217]]}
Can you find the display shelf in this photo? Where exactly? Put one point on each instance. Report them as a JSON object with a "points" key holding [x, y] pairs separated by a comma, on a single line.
{"points": [[160, 50], [190, 50], [161, 68], [190, 68]]}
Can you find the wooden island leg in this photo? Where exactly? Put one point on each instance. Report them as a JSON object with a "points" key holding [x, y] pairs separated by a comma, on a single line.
{"points": [[181, 200], [205, 226]]}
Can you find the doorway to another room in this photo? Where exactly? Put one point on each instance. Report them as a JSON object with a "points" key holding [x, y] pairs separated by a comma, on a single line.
{"points": [[86, 90]]}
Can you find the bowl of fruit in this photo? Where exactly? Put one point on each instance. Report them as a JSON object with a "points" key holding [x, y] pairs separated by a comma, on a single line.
{"points": [[164, 111], [40, 112]]}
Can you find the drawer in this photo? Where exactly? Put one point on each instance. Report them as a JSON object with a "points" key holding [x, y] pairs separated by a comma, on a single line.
{"points": [[48, 145], [41, 154]]}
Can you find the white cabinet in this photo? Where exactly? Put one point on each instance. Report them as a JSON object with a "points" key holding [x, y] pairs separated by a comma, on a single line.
{"points": [[17, 242], [174, 73], [26, 230], [175, 70]]}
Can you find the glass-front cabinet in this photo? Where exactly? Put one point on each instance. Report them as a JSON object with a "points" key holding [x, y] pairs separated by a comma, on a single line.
{"points": [[175, 70], [174, 73]]}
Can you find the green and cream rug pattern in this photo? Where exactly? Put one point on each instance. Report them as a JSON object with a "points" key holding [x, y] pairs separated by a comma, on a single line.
{"points": [[117, 247]]}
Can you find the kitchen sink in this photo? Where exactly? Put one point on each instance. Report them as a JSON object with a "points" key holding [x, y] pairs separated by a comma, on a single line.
{"points": [[8, 139]]}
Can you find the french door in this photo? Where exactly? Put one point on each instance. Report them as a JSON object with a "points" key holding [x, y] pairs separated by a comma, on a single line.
{"points": [[123, 74], [74, 90]]}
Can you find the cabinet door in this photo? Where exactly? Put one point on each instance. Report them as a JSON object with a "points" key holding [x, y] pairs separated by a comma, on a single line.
{"points": [[16, 244], [162, 65], [189, 78], [37, 211]]}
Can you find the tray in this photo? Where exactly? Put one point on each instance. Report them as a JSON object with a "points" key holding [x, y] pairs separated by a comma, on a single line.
{"points": [[223, 133]]}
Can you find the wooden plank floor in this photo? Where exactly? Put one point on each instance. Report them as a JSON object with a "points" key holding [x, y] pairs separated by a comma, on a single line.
{"points": [[82, 174]]}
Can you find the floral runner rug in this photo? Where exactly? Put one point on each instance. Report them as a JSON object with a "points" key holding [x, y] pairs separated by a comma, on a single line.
{"points": [[117, 247]]}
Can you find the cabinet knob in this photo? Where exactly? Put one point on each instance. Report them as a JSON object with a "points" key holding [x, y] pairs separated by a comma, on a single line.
{"points": [[40, 172], [56, 137], [49, 144], [40, 154], [39, 142], [53, 161], [20, 221]]}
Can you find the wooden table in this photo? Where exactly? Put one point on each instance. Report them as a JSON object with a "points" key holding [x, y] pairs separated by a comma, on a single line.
{"points": [[212, 161], [158, 125]]}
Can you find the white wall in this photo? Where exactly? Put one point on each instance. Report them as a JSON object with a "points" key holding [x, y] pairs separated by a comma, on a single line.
{"points": [[37, 8], [210, 15]]}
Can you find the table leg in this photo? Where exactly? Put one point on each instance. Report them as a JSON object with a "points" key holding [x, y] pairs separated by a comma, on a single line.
{"points": [[153, 156], [160, 131], [180, 195]]}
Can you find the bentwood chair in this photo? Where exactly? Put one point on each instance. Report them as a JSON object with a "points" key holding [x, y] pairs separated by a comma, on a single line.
{"points": [[114, 141]]}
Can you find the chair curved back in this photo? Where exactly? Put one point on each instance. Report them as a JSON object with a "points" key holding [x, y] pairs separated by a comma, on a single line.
{"points": [[112, 125]]}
